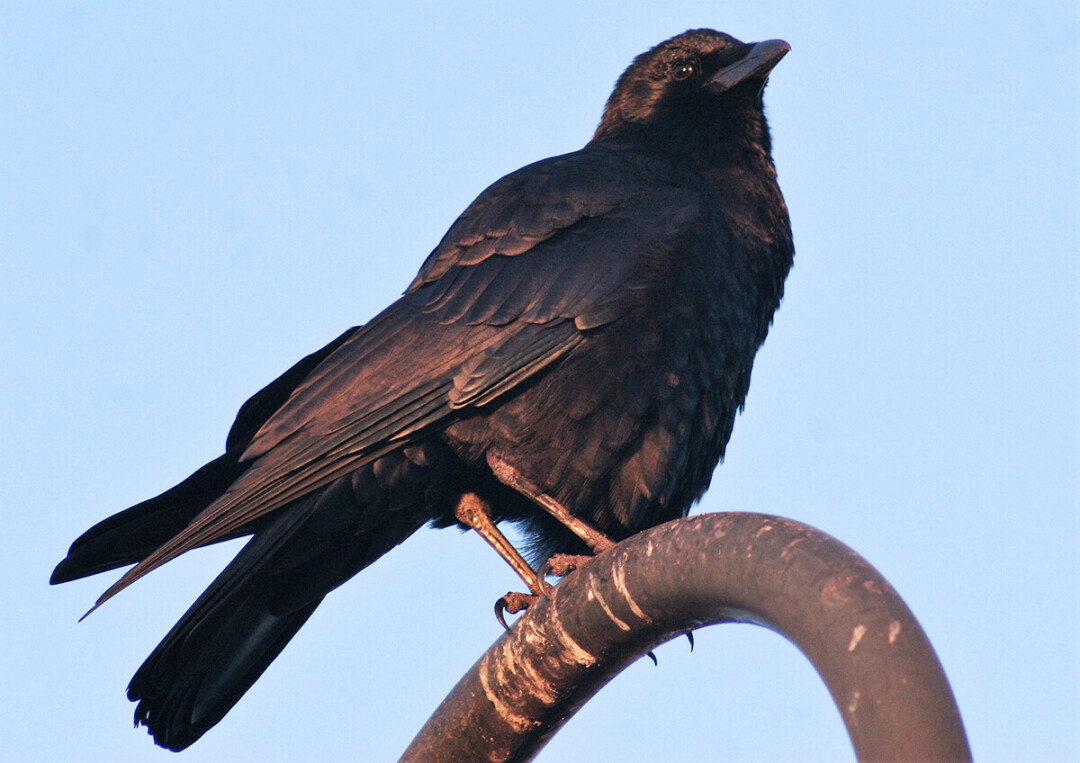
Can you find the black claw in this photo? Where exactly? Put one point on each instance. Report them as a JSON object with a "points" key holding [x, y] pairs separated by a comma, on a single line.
{"points": [[652, 657], [512, 603], [500, 610], [541, 580], [690, 637]]}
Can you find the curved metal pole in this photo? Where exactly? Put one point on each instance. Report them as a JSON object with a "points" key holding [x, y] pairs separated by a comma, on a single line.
{"points": [[714, 568]]}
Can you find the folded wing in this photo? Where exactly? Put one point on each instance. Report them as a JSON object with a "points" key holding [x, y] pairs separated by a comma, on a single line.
{"points": [[543, 257]]}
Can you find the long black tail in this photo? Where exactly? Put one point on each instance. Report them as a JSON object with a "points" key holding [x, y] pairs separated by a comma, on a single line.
{"points": [[229, 636], [236, 628]]}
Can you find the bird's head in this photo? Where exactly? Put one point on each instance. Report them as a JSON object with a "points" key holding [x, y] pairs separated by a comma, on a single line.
{"points": [[696, 90]]}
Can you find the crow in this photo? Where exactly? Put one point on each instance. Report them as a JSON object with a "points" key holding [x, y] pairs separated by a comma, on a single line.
{"points": [[571, 357]]}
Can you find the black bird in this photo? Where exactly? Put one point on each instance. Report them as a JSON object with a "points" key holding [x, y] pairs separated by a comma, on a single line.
{"points": [[572, 353]]}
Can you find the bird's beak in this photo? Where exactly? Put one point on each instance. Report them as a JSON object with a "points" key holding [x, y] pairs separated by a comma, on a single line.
{"points": [[758, 62]]}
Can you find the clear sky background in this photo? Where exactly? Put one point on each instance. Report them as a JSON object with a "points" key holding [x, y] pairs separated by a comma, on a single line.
{"points": [[193, 196]]}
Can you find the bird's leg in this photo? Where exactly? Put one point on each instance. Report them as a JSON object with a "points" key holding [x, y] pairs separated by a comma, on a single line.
{"points": [[473, 511], [511, 477], [595, 539]]}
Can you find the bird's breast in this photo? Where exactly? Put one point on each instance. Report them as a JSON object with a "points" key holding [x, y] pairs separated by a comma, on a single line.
{"points": [[626, 430]]}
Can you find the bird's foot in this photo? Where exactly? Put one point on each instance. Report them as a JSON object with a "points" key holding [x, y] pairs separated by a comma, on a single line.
{"points": [[561, 565], [512, 603], [558, 565]]}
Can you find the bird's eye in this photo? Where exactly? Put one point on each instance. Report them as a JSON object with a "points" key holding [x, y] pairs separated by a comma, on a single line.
{"points": [[683, 69]]}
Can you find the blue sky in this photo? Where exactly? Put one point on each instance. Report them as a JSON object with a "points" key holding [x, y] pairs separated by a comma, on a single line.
{"points": [[193, 196]]}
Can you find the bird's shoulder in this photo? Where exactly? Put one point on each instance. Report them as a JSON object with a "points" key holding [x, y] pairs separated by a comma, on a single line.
{"points": [[556, 237]]}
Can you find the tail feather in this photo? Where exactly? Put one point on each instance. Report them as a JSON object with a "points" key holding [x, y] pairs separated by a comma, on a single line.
{"points": [[213, 655], [239, 625], [296, 555], [215, 677]]}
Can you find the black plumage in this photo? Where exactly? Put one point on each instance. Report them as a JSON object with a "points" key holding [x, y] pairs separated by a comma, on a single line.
{"points": [[583, 335]]}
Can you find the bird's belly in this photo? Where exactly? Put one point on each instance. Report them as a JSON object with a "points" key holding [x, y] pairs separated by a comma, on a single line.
{"points": [[625, 438]]}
